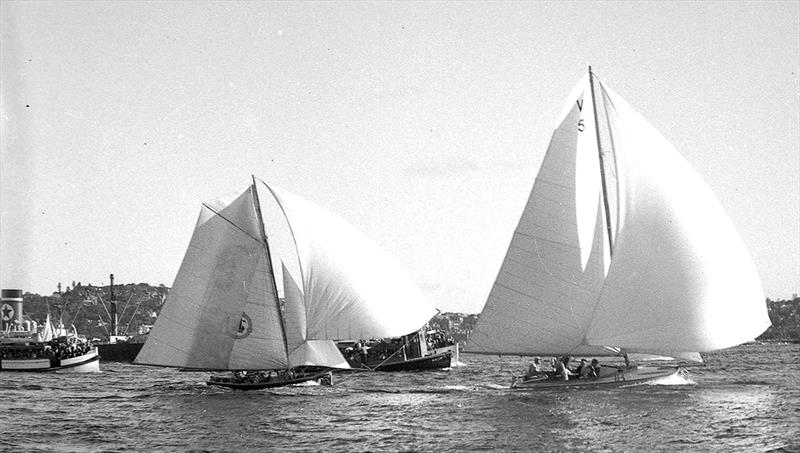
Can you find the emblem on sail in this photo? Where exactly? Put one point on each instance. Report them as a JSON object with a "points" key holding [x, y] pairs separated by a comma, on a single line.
{"points": [[245, 327]]}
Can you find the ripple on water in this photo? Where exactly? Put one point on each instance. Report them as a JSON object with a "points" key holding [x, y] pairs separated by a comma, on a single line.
{"points": [[736, 403]]}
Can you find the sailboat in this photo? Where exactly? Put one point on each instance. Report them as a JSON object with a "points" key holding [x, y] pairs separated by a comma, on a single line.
{"points": [[224, 312], [621, 248]]}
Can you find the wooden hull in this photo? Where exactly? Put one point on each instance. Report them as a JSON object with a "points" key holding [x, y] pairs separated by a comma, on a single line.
{"points": [[86, 363], [609, 377], [222, 381], [430, 362]]}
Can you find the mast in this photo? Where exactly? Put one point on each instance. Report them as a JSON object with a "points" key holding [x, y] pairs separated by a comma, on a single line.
{"points": [[602, 165], [264, 241], [114, 327]]}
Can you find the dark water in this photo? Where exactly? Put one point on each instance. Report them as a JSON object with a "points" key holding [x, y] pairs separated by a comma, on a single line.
{"points": [[745, 399]]}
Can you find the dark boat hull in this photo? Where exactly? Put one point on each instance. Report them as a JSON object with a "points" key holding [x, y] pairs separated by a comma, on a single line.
{"points": [[231, 384], [119, 352], [431, 362]]}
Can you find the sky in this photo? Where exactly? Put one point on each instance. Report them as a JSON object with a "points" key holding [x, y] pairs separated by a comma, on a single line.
{"points": [[420, 123]]}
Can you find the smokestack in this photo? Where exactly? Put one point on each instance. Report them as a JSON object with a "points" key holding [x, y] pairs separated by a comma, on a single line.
{"points": [[11, 307]]}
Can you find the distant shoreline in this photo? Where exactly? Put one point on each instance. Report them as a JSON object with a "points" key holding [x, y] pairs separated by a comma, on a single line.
{"points": [[780, 341], [138, 305]]}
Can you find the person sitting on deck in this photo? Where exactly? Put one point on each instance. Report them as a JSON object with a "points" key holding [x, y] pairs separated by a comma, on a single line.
{"points": [[562, 368], [591, 371], [534, 370], [580, 368]]}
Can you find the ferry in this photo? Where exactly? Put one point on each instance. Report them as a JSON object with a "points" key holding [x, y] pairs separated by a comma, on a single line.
{"points": [[24, 346], [63, 353]]}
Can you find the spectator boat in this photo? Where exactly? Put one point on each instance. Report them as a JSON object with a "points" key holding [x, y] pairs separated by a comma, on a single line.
{"points": [[26, 347], [421, 350]]}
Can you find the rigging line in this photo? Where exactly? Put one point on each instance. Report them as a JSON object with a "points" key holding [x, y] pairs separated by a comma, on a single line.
{"points": [[231, 222], [104, 306], [372, 370], [355, 371], [104, 326], [128, 326], [392, 355], [122, 315], [76, 314]]}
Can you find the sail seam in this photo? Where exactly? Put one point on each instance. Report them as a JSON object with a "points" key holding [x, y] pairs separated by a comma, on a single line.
{"points": [[544, 303]]}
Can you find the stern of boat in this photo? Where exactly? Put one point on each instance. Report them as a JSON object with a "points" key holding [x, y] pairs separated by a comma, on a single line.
{"points": [[86, 363]]}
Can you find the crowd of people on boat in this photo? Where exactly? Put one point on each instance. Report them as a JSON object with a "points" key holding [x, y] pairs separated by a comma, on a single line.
{"points": [[560, 368], [378, 351], [436, 340], [374, 350], [56, 349]]}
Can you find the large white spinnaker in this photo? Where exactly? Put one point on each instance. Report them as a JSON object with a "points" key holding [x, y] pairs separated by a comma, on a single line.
{"points": [[221, 312], [351, 288], [681, 278]]}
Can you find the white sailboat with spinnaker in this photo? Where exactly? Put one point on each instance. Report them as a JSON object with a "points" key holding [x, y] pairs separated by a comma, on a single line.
{"points": [[621, 248], [224, 311]]}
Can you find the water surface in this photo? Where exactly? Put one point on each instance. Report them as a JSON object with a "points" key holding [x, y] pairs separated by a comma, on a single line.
{"points": [[744, 399]]}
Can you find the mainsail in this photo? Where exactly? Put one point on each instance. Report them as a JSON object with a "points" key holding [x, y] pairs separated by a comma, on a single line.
{"points": [[223, 311], [621, 247]]}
